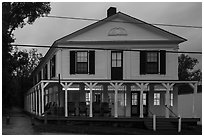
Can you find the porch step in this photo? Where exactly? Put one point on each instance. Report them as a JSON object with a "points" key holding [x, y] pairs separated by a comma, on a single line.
{"points": [[161, 124]]}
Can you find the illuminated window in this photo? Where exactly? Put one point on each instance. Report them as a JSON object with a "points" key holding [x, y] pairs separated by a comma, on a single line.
{"points": [[134, 98], [87, 98], [171, 99], [144, 99], [156, 99]]}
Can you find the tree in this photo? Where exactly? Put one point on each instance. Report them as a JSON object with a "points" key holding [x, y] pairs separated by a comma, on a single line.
{"points": [[186, 69], [24, 62], [15, 15]]}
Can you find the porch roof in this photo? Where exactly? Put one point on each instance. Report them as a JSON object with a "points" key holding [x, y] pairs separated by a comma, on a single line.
{"points": [[101, 81]]}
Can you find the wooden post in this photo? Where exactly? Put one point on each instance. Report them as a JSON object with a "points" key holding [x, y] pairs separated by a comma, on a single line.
{"points": [[116, 86], [167, 97], [39, 90], [195, 88], [66, 101], [116, 102], [141, 104], [179, 123], [142, 87], [36, 98], [91, 86], [31, 102], [154, 122], [91, 101], [167, 103], [66, 86]]}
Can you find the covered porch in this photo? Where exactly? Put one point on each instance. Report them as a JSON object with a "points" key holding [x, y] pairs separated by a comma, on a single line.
{"points": [[106, 98]]}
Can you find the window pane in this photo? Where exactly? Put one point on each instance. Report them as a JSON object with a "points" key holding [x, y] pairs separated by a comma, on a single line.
{"points": [[118, 63], [156, 98], [119, 55], [114, 56], [151, 56], [81, 56], [82, 68], [151, 68], [113, 63]]}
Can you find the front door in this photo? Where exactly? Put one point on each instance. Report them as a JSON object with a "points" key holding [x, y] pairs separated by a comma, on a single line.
{"points": [[116, 65], [135, 104]]}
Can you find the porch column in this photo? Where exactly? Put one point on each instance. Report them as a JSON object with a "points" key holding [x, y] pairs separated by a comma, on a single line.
{"points": [[142, 87], [116, 86], [42, 86], [168, 87], [31, 102], [36, 100], [195, 89], [66, 86], [39, 99], [91, 86], [28, 105]]}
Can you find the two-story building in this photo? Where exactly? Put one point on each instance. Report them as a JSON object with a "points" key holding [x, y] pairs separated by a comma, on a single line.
{"points": [[119, 66]]}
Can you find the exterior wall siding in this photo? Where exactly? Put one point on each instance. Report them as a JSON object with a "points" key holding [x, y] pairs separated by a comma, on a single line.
{"points": [[131, 66]]}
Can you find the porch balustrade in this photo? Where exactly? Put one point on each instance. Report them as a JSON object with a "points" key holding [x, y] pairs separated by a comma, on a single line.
{"points": [[34, 100]]}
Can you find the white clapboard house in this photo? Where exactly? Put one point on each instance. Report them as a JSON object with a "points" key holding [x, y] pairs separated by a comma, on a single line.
{"points": [[117, 67]]}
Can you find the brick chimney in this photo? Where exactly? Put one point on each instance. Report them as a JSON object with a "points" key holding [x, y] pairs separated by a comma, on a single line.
{"points": [[111, 11]]}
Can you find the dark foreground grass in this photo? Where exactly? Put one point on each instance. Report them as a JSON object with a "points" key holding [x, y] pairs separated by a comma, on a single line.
{"points": [[99, 129]]}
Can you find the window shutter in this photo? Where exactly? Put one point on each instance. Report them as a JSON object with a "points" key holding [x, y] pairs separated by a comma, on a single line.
{"points": [[72, 62], [91, 62], [142, 62], [163, 62]]}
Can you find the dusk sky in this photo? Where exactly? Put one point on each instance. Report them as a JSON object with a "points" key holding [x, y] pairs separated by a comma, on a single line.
{"points": [[45, 31]]}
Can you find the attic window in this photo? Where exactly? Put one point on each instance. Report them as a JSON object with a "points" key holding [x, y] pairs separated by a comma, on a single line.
{"points": [[117, 31]]}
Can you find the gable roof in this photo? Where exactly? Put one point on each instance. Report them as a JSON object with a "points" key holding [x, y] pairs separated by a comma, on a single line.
{"points": [[129, 19]]}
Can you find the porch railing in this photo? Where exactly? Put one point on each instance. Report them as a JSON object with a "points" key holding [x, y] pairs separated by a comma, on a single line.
{"points": [[150, 112], [172, 111]]}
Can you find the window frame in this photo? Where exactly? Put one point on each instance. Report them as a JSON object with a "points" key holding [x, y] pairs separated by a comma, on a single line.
{"points": [[134, 98], [157, 97], [116, 60], [77, 63], [152, 62]]}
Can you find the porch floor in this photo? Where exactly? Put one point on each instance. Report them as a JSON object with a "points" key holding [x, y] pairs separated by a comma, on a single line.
{"points": [[113, 119]]}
